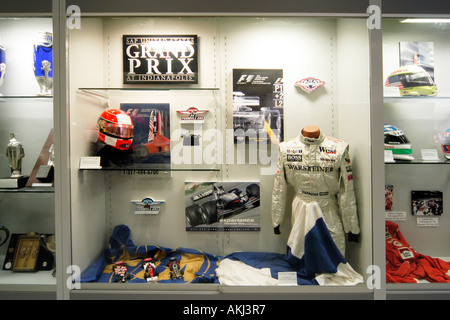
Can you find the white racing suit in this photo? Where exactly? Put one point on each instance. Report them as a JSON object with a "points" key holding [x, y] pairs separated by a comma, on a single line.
{"points": [[320, 171]]}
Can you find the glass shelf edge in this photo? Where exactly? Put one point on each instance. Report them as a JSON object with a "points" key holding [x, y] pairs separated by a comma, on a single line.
{"points": [[420, 162], [423, 99], [150, 170], [28, 190], [26, 97], [147, 89]]}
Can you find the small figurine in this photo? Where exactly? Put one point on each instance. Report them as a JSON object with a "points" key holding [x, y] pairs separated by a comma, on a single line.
{"points": [[149, 267], [121, 272], [175, 269]]}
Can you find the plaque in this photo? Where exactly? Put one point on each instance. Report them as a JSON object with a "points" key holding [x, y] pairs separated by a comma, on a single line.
{"points": [[45, 259], [27, 252]]}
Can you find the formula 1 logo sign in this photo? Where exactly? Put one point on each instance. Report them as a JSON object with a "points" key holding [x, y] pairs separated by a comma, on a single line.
{"points": [[309, 84], [192, 115], [160, 59]]}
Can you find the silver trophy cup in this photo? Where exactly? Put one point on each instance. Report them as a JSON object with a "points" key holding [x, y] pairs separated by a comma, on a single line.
{"points": [[15, 153]]}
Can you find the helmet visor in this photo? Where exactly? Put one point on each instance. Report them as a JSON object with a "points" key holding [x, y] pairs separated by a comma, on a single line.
{"points": [[417, 80], [410, 80], [395, 137], [124, 131]]}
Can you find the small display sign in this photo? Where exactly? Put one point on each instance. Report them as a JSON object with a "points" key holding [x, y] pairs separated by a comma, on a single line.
{"points": [[147, 206]]}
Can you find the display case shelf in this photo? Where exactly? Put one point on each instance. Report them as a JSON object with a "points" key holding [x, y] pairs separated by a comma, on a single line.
{"points": [[122, 91], [420, 99], [29, 190], [143, 88], [28, 285], [32, 279], [25, 97], [419, 162], [150, 170], [213, 291]]}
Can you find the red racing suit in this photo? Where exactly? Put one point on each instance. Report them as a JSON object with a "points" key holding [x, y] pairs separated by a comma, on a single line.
{"points": [[320, 171], [405, 265]]}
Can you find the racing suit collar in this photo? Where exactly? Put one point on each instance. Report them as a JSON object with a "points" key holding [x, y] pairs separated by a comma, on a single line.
{"points": [[307, 140]]}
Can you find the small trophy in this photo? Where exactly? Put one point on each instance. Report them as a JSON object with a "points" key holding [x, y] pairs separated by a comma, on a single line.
{"points": [[15, 153], [2, 63], [50, 245], [43, 63]]}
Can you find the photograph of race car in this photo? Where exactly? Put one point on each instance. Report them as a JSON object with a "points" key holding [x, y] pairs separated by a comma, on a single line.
{"points": [[212, 206], [151, 134]]}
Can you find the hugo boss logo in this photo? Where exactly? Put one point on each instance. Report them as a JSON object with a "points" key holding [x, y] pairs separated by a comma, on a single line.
{"points": [[294, 157]]}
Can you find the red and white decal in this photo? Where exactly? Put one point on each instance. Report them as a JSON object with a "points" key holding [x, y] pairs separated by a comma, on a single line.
{"points": [[192, 115], [309, 84]]}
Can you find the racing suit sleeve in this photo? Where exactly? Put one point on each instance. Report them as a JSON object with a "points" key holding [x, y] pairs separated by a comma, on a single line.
{"points": [[280, 187], [346, 196]]}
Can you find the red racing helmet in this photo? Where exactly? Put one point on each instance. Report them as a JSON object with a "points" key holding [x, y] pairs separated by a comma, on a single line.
{"points": [[115, 128]]}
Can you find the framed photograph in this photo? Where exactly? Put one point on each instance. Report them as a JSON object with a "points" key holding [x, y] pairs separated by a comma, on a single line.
{"points": [[388, 197], [258, 105], [151, 134], [418, 53], [26, 253], [222, 206], [427, 203]]}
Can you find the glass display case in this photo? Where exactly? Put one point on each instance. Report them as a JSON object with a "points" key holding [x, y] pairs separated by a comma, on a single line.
{"points": [[211, 99], [417, 115], [27, 208], [183, 166]]}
